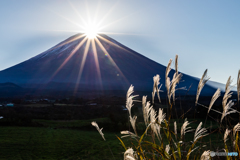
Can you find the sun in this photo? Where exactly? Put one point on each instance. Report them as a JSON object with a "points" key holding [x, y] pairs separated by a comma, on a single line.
{"points": [[91, 30]]}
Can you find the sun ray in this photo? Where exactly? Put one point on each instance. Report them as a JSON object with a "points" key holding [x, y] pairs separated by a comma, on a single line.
{"points": [[108, 24], [106, 40], [82, 64], [76, 11], [67, 42], [69, 57], [96, 62], [77, 24], [110, 58], [107, 14], [97, 10], [119, 33], [88, 14]]}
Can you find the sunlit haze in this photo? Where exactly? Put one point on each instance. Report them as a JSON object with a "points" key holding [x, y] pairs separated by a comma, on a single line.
{"points": [[91, 30], [205, 34]]}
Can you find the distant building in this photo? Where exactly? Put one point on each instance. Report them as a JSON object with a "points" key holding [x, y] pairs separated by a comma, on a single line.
{"points": [[91, 103], [9, 105]]}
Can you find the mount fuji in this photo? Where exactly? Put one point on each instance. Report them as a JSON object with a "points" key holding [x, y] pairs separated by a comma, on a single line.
{"points": [[100, 64]]}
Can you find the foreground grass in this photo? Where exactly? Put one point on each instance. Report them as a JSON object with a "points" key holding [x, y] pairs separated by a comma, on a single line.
{"points": [[30, 143]]}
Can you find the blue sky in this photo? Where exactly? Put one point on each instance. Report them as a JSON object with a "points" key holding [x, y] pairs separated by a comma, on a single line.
{"points": [[205, 34]]}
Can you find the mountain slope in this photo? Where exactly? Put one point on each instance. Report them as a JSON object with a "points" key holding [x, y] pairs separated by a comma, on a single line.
{"points": [[106, 65]]}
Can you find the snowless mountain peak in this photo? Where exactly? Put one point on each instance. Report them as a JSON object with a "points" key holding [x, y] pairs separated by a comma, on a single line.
{"points": [[101, 64]]}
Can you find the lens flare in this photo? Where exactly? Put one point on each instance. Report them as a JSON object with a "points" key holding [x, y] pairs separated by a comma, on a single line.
{"points": [[91, 30]]}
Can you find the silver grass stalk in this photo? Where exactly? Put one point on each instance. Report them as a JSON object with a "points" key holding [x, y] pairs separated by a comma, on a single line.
{"points": [[144, 101], [99, 130], [158, 131], [238, 85], [168, 85], [133, 123], [176, 64], [236, 128], [192, 150], [167, 149], [229, 81], [184, 128], [226, 135], [227, 108], [129, 158], [172, 88], [201, 83], [168, 69], [130, 90], [200, 132], [129, 102], [128, 133], [146, 112], [205, 155], [156, 82], [214, 98], [176, 72], [154, 126], [152, 115], [227, 94], [175, 129], [152, 121], [161, 115], [129, 154]]}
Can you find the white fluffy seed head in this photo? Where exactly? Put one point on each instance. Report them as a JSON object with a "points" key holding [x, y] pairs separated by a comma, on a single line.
{"points": [[199, 132], [99, 130], [228, 93], [161, 115], [202, 82], [129, 154], [176, 64], [214, 98], [236, 128], [205, 155], [129, 101], [168, 69], [184, 128], [133, 123], [128, 133], [167, 148], [175, 129], [226, 135], [238, 85], [156, 82], [227, 108]]}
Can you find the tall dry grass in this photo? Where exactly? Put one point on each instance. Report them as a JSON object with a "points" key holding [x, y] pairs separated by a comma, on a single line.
{"points": [[163, 140]]}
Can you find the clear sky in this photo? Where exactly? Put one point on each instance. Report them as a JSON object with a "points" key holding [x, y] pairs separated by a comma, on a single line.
{"points": [[204, 33]]}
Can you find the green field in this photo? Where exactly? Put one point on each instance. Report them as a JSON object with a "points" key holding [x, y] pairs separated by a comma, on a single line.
{"points": [[65, 140], [29, 143]]}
